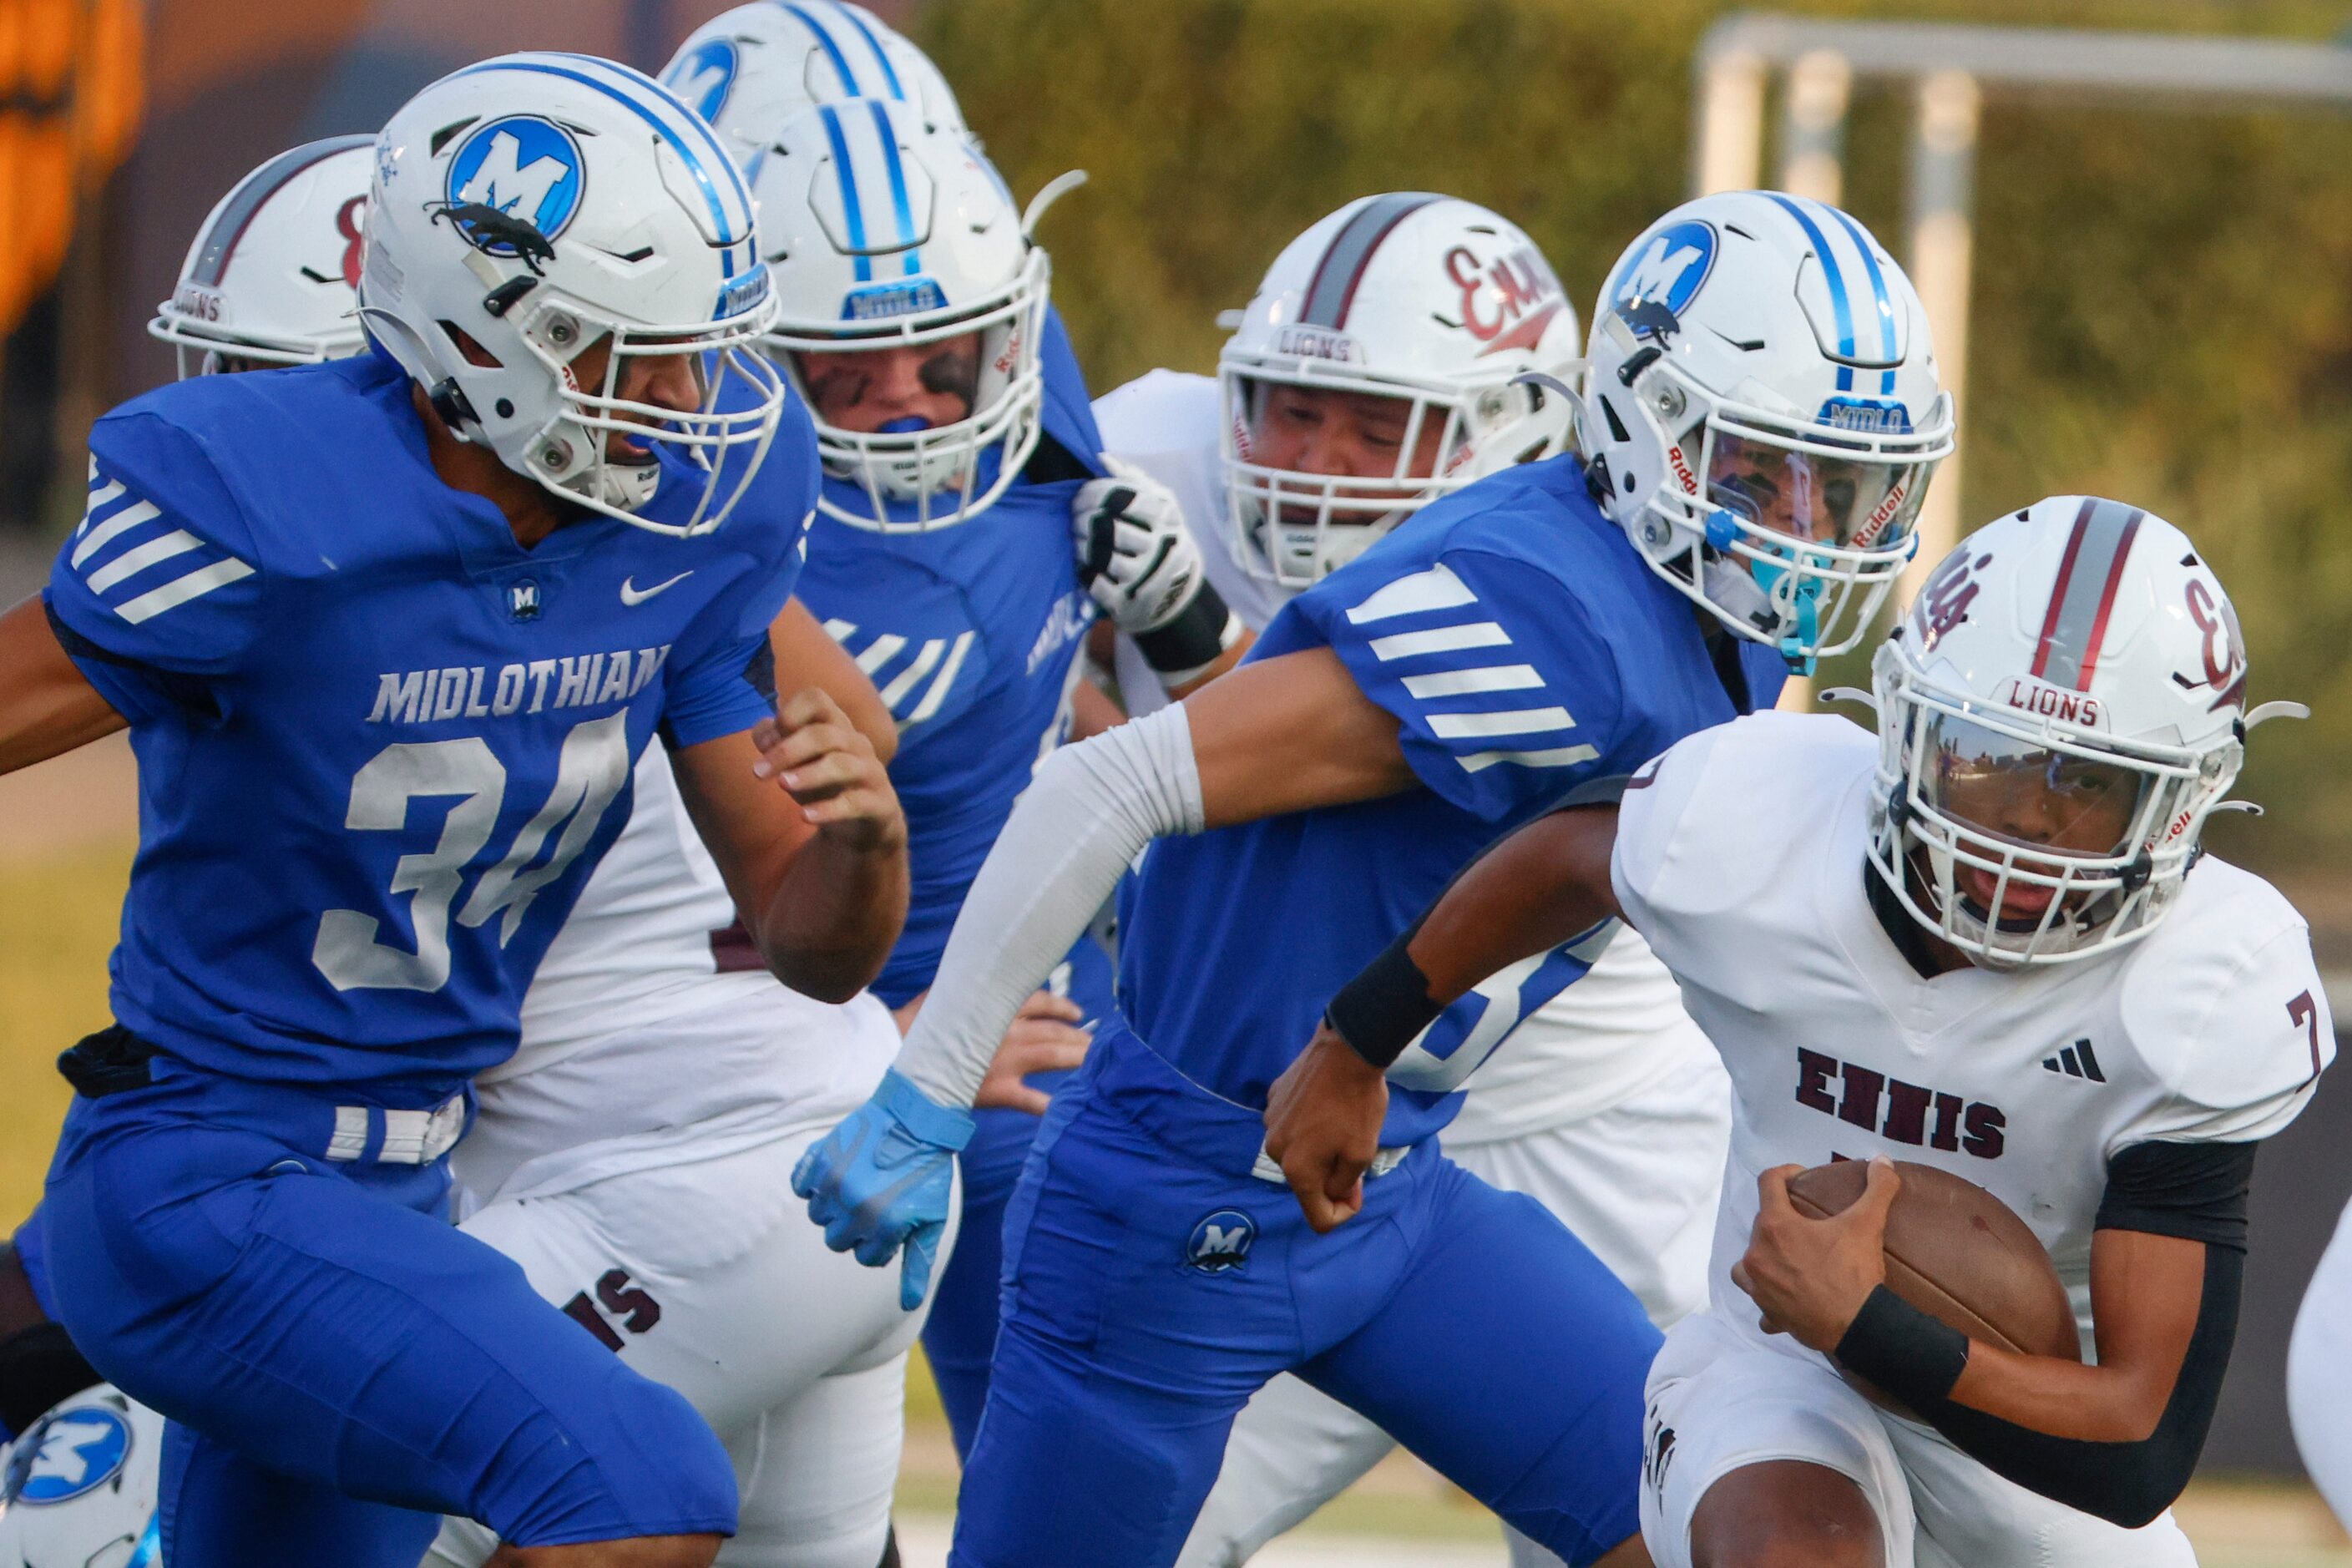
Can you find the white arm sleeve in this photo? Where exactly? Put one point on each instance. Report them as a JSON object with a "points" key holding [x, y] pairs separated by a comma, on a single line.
{"points": [[1092, 809]]}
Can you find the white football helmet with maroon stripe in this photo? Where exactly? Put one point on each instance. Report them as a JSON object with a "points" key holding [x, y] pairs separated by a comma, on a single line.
{"points": [[273, 276], [1432, 301], [751, 70], [1763, 413], [2058, 714]]}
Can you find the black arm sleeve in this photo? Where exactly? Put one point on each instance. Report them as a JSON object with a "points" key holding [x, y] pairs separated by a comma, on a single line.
{"points": [[2127, 1484], [2197, 1192]]}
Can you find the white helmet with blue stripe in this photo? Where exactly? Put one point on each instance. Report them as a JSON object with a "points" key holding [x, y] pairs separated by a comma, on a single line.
{"points": [[882, 235], [1763, 413], [751, 70], [530, 208], [271, 277]]}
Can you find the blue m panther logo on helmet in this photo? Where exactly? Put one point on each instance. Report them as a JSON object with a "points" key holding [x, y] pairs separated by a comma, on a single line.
{"points": [[706, 77], [521, 165], [1669, 269], [67, 1454]]}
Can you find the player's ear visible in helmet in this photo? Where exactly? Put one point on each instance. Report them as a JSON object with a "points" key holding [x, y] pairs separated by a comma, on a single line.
{"points": [[2059, 713], [269, 277], [1769, 441], [518, 212], [1390, 355]]}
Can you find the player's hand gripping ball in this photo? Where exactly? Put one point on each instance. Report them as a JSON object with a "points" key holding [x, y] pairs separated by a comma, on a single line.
{"points": [[1136, 555], [1824, 1238]]}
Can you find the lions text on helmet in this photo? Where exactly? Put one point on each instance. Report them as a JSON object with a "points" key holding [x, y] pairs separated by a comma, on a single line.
{"points": [[573, 291], [911, 301], [272, 275], [1763, 413], [2059, 713], [1383, 365]]}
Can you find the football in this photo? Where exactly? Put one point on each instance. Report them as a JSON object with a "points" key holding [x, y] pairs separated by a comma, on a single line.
{"points": [[1958, 1253]]}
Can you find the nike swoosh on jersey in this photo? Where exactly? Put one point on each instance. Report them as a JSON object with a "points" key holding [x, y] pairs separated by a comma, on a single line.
{"points": [[632, 596]]}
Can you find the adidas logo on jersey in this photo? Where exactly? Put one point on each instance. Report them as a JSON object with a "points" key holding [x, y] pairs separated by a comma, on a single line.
{"points": [[2076, 1061], [1902, 1112]]}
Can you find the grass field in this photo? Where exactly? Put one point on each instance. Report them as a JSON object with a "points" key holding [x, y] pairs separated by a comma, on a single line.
{"points": [[58, 908]]}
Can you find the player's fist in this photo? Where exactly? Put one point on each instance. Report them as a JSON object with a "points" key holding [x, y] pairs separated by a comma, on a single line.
{"points": [[1808, 1278], [1323, 1119], [884, 1178], [1135, 554], [819, 758]]}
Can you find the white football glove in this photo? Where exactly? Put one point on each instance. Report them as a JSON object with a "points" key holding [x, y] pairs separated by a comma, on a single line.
{"points": [[1141, 564]]}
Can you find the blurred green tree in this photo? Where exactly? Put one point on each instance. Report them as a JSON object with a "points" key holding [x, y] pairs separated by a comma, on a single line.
{"points": [[2160, 301]]}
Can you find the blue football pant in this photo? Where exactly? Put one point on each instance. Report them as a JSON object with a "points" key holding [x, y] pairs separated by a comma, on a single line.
{"points": [[333, 1356], [1465, 1322], [961, 1335]]}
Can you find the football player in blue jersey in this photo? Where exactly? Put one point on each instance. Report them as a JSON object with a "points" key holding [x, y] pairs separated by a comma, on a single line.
{"points": [[304, 591], [960, 454], [1535, 636]]}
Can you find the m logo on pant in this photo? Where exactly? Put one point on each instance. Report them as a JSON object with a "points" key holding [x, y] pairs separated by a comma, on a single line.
{"points": [[1221, 1241]]}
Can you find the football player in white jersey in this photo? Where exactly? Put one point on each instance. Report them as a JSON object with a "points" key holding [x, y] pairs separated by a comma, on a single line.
{"points": [[2319, 1371], [1328, 424], [1987, 941]]}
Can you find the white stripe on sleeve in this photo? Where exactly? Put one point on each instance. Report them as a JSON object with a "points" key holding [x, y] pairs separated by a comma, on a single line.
{"points": [[1439, 639], [180, 590]]}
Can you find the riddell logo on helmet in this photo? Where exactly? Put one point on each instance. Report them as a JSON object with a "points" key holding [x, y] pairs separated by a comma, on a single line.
{"points": [[2050, 703], [1681, 466], [1318, 343]]}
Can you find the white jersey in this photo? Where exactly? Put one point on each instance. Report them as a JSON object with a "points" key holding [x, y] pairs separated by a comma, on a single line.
{"points": [[1739, 856], [638, 1050], [1620, 1027]]}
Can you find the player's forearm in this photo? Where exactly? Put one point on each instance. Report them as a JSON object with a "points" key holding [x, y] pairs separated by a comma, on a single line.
{"points": [[1542, 886], [2119, 1441], [1092, 808], [46, 706], [834, 915]]}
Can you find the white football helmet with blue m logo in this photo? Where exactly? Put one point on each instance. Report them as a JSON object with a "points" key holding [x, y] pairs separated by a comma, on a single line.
{"points": [[529, 209], [1763, 413], [751, 70], [79, 1487]]}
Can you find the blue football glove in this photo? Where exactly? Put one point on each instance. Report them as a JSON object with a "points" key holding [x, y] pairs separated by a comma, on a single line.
{"points": [[884, 1179]]}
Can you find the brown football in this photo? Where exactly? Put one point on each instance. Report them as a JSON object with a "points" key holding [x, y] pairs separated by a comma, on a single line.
{"points": [[1958, 1253]]}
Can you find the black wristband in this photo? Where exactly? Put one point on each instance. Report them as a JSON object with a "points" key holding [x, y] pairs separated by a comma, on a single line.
{"points": [[1200, 631], [1386, 1005], [1903, 1351]]}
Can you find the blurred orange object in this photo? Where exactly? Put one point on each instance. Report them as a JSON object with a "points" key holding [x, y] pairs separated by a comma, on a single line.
{"points": [[70, 92]]}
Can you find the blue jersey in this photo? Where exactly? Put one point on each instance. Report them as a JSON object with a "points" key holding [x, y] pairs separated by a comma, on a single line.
{"points": [[379, 744], [1524, 649], [971, 634]]}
